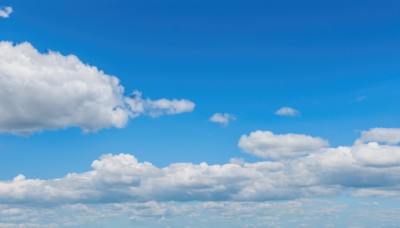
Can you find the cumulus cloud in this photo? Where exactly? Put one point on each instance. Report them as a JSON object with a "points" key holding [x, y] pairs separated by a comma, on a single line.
{"points": [[266, 144], [222, 118], [5, 11], [287, 111], [384, 135], [51, 91], [373, 154], [363, 168]]}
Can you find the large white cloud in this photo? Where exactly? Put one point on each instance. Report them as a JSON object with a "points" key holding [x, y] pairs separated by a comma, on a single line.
{"points": [[266, 144], [50, 91], [361, 169]]}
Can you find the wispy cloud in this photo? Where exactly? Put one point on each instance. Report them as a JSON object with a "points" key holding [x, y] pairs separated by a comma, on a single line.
{"points": [[154, 108], [222, 118], [166, 214], [287, 111], [5, 11]]}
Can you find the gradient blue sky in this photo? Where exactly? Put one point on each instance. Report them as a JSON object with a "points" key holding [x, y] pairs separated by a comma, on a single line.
{"points": [[335, 61]]}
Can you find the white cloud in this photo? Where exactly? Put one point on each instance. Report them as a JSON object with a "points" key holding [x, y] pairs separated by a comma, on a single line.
{"points": [[384, 135], [373, 154], [266, 144], [287, 111], [222, 118], [51, 91], [5, 11], [361, 169], [122, 178], [155, 108], [117, 178]]}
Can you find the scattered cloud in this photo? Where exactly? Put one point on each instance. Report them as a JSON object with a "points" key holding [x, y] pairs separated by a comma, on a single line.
{"points": [[51, 91], [222, 118], [363, 168], [5, 11], [287, 111], [266, 144]]}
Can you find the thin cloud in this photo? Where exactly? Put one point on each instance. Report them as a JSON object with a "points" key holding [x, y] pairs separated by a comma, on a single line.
{"points": [[287, 111], [156, 108], [169, 214]]}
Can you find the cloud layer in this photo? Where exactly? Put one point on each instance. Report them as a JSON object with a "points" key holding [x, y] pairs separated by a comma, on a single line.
{"points": [[173, 214], [51, 91], [363, 169], [5, 12]]}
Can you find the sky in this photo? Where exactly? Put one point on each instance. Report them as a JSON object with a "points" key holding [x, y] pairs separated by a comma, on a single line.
{"points": [[199, 113]]}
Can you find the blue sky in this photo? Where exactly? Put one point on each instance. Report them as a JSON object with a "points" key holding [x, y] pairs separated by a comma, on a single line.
{"points": [[334, 64]]}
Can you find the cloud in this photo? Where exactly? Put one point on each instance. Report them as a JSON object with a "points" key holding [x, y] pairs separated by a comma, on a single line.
{"points": [[51, 91], [384, 135], [363, 169], [222, 118], [373, 154], [158, 107], [293, 213], [266, 144], [121, 178], [174, 214], [5, 11], [357, 169], [287, 111]]}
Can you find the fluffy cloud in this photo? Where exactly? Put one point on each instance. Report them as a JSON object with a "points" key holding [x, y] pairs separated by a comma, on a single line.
{"points": [[362, 169], [5, 11], [116, 178], [373, 154], [222, 118], [266, 144], [384, 135], [51, 91], [287, 111]]}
